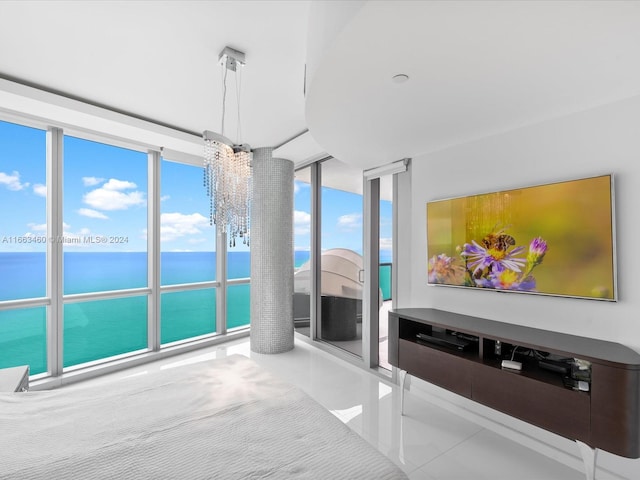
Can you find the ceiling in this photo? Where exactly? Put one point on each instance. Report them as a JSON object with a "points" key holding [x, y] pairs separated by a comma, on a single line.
{"points": [[159, 59], [476, 68]]}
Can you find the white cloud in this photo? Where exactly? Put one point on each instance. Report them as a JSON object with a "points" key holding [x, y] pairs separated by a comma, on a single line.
{"points": [[176, 225], [110, 197], [37, 227], [40, 190], [299, 185], [165, 197], [116, 185], [386, 244], [301, 222], [88, 212], [351, 221], [91, 181], [12, 182]]}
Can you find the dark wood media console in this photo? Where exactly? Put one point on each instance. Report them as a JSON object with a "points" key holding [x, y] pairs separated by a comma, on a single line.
{"points": [[606, 417]]}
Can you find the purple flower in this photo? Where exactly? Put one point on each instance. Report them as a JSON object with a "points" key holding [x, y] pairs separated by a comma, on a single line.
{"points": [[537, 250], [499, 260], [507, 280]]}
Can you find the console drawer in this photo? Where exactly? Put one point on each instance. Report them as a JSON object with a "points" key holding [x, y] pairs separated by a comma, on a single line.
{"points": [[440, 368], [559, 410]]}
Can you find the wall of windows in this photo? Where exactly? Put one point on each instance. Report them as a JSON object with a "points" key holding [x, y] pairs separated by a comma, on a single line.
{"points": [[107, 251]]}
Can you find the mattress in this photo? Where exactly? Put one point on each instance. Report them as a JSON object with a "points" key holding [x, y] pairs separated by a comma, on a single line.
{"points": [[221, 419]]}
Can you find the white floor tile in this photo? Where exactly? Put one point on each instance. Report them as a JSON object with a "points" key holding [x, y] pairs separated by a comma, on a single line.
{"points": [[428, 443], [489, 456]]}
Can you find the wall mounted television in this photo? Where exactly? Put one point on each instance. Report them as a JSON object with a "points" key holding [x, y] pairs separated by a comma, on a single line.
{"points": [[554, 239]]}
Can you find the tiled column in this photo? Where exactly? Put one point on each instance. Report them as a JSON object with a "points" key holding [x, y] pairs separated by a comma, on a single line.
{"points": [[271, 253]]}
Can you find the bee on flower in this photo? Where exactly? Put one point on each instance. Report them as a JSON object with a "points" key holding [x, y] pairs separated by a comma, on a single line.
{"points": [[497, 262]]}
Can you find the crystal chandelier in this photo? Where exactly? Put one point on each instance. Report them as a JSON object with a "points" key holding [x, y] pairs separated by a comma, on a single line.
{"points": [[227, 169]]}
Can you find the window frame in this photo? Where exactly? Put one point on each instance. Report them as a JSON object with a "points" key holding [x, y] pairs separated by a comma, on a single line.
{"points": [[55, 299]]}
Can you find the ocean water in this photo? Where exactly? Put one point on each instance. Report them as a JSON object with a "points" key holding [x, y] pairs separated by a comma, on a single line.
{"points": [[102, 328]]}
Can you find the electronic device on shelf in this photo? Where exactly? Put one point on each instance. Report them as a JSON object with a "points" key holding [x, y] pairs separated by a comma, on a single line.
{"points": [[466, 337], [511, 365], [576, 384], [444, 340], [555, 366]]}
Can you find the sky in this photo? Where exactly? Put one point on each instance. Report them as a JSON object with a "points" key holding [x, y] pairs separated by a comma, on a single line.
{"points": [[105, 201], [341, 220]]}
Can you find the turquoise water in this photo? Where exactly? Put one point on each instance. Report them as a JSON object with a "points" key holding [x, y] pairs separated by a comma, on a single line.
{"points": [[385, 281], [102, 328], [99, 329]]}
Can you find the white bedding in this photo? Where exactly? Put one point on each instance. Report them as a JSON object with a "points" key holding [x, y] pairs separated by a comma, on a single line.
{"points": [[222, 419]]}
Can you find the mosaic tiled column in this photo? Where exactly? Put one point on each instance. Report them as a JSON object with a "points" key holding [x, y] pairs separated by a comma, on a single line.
{"points": [[271, 253]]}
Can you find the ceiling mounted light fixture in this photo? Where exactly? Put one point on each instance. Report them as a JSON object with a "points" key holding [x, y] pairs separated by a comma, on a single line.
{"points": [[400, 78], [227, 166]]}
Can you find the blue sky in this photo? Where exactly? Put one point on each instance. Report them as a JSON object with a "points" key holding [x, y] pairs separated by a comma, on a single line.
{"points": [[105, 201], [22, 191], [341, 219]]}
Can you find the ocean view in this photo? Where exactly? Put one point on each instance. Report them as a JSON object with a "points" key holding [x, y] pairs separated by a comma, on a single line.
{"points": [[98, 329], [102, 328]]}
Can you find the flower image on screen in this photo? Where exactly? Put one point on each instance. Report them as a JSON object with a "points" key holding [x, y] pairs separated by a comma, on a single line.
{"points": [[555, 239]]}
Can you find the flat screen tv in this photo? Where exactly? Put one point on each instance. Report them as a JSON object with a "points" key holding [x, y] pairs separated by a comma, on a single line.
{"points": [[555, 239]]}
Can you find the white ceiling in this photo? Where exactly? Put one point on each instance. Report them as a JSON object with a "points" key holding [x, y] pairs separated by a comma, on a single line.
{"points": [[158, 59], [476, 68]]}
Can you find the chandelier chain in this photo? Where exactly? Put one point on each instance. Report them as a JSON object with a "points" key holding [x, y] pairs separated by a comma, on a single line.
{"points": [[227, 175]]}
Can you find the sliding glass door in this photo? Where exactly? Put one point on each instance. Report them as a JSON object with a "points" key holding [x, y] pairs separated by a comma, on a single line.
{"points": [[302, 251], [385, 266], [341, 260], [344, 277]]}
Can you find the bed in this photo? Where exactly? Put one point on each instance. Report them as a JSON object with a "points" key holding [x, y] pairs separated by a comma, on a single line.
{"points": [[221, 419]]}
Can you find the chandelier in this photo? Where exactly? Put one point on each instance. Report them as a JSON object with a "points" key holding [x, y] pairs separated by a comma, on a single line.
{"points": [[227, 168]]}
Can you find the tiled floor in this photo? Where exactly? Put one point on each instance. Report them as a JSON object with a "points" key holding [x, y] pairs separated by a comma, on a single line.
{"points": [[428, 443]]}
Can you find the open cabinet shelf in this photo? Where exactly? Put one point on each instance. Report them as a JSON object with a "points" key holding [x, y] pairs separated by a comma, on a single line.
{"points": [[605, 416]]}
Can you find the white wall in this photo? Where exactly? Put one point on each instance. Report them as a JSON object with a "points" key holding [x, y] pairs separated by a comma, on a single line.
{"points": [[597, 141]]}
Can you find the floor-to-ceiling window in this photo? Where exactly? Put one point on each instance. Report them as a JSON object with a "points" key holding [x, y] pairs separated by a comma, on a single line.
{"points": [[188, 258], [341, 261], [23, 247], [351, 212], [385, 261], [238, 287], [105, 250], [302, 251]]}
